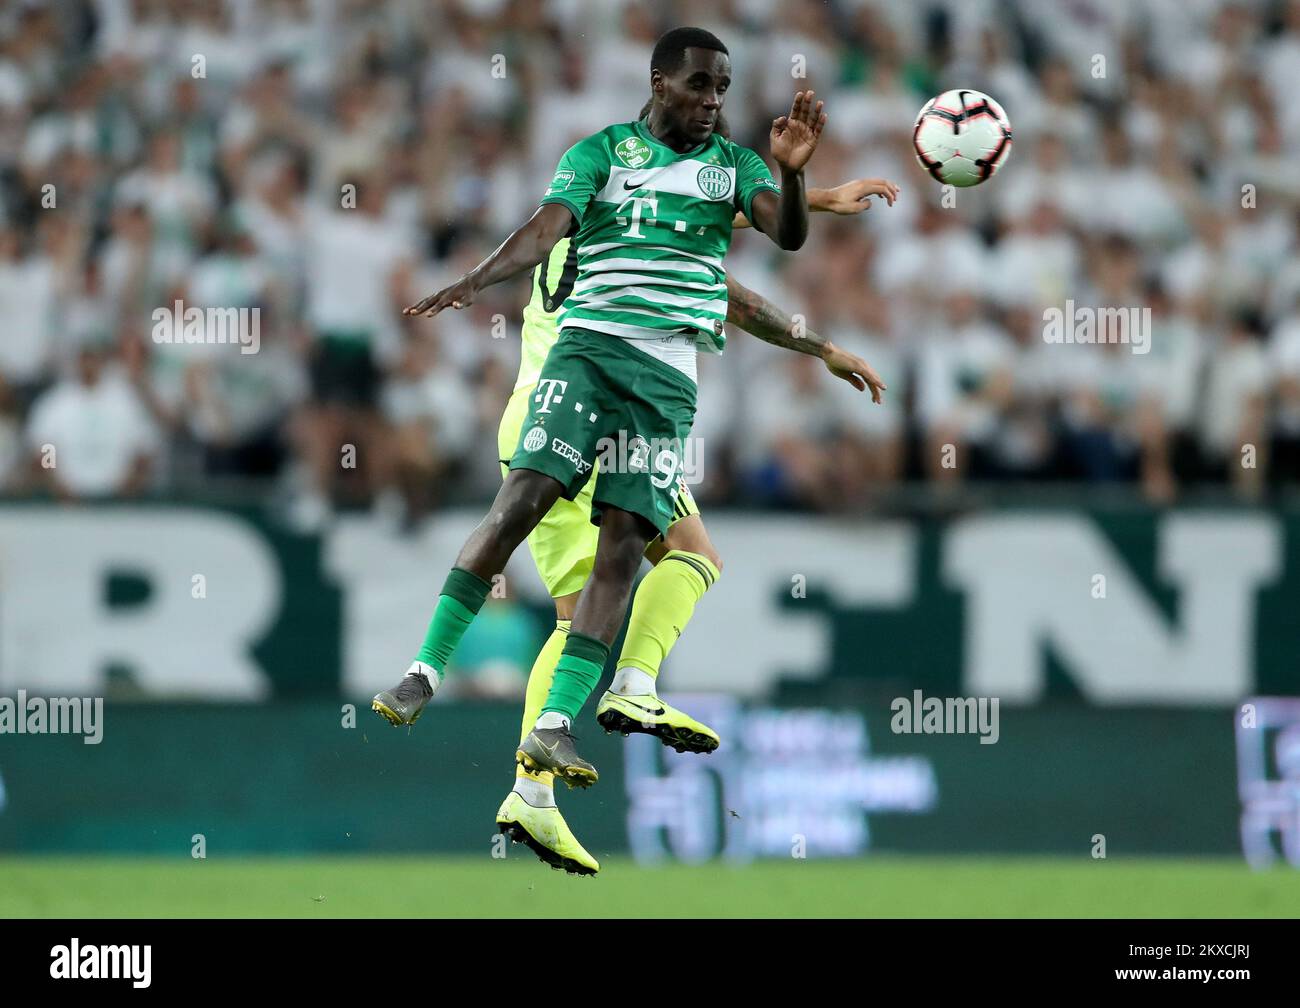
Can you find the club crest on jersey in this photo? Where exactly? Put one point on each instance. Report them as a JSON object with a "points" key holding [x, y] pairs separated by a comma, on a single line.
{"points": [[633, 152], [535, 439], [714, 182]]}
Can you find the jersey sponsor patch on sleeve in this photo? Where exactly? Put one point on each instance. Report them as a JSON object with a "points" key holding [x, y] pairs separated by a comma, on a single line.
{"points": [[562, 181], [768, 183]]}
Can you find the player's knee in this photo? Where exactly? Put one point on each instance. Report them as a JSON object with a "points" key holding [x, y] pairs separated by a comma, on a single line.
{"points": [[712, 555], [688, 537], [519, 507], [622, 545]]}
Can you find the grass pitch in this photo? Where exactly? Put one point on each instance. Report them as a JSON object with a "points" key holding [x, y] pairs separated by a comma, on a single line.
{"points": [[480, 887]]}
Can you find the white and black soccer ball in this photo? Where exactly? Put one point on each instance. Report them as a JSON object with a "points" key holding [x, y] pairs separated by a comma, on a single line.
{"points": [[962, 137]]}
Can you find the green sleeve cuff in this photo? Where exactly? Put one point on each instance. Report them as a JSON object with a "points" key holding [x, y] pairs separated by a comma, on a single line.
{"points": [[573, 209]]}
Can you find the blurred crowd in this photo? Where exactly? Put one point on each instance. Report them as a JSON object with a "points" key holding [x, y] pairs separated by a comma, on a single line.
{"points": [[331, 161]]}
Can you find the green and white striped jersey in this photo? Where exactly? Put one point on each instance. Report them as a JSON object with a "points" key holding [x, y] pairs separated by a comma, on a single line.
{"points": [[651, 229]]}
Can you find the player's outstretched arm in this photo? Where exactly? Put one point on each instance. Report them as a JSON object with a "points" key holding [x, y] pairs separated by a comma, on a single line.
{"points": [[523, 250], [852, 197], [794, 137], [845, 199], [759, 317]]}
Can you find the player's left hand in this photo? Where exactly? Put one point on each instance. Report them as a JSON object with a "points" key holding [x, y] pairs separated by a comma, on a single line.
{"points": [[458, 295], [794, 136], [855, 196], [854, 370]]}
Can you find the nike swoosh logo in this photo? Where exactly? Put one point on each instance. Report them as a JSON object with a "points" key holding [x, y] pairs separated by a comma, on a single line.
{"points": [[629, 186], [549, 750], [657, 713]]}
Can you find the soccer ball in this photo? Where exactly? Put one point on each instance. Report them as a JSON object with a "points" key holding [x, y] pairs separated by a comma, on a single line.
{"points": [[962, 137]]}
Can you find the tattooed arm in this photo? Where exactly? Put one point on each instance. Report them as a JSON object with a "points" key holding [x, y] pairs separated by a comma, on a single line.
{"points": [[759, 317]]}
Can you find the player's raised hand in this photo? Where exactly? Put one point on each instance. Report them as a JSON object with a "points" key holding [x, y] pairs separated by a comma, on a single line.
{"points": [[855, 196], [458, 295], [854, 370], [794, 136]]}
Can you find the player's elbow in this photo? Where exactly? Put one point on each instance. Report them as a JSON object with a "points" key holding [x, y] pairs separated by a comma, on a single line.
{"points": [[792, 242]]}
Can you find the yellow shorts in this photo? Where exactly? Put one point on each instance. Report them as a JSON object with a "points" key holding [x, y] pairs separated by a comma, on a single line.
{"points": [[563, 544]]}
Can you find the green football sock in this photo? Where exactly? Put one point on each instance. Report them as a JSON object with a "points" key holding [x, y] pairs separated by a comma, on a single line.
{"points": [[579, 670], [542, 675], [462, 597]]}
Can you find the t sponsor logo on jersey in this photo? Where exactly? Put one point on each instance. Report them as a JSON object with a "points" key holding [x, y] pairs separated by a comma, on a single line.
{"points": [[567, 451], [562, 181], [535, 439], [714, 182], [633, 152]]}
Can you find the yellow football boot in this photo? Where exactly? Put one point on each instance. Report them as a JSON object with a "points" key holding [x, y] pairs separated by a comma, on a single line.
{"points": [[651, 716], [546, 833]]}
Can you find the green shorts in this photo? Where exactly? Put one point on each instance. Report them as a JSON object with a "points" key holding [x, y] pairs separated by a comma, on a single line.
{"points": [[563, 544], [600, 401]]}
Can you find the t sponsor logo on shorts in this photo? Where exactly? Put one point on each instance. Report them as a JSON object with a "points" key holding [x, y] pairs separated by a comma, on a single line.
{"points": [[567, 451], [535, 439], [550, 392]]}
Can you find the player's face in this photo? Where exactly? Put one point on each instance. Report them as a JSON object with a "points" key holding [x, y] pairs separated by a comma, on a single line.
{"points": [[692, 97]]}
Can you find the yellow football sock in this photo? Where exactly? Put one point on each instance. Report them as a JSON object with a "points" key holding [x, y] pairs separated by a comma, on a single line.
{"points": [[663, 605], [539, 686]]}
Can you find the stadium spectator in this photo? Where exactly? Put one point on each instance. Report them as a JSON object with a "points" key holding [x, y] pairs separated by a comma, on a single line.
{"points": [[358, 271], [89, 435], [127, 164]]}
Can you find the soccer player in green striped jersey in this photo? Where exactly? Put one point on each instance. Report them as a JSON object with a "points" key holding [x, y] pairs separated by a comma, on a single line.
{"points": [[685, 562], [651, 204]]}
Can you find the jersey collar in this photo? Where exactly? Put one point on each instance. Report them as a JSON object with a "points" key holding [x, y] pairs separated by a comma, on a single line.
{"points": [[643, 128]]}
